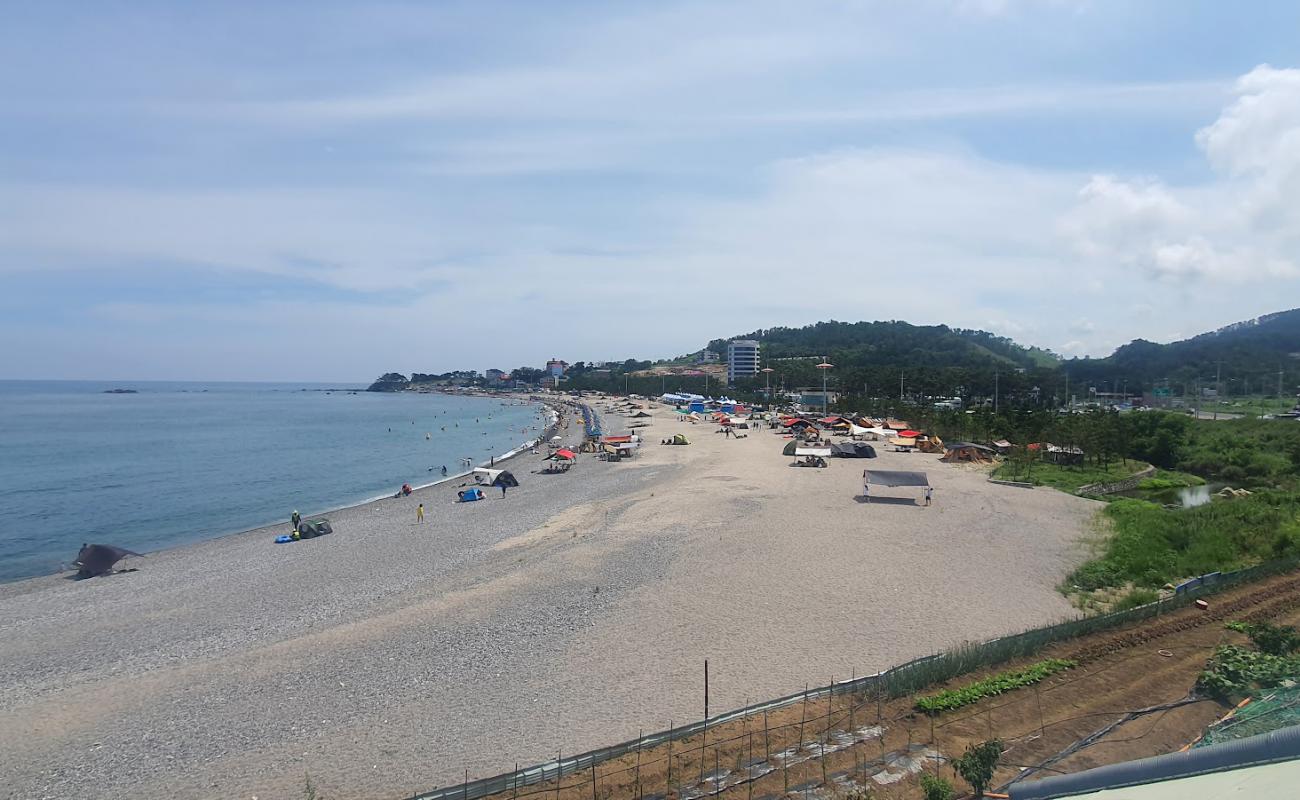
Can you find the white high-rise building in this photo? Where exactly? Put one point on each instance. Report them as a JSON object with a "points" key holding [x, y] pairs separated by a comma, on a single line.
{"points": [[742, 359]]}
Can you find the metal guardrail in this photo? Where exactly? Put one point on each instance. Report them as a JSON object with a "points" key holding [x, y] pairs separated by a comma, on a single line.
{"points": [[894, 682]]}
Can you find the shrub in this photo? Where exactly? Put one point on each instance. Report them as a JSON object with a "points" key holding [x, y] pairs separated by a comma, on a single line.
{"points": [[1134, 598], [977, 764], [948, 699], [936, 788]]}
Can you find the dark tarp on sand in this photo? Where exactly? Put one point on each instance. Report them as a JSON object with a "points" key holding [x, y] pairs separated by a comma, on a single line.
{"points": [[789, 448], [98, 559], [882, 477], [853, 450]]}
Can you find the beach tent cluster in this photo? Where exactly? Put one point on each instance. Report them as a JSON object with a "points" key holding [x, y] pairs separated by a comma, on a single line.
{"points": [[495, 477], [967, 452], [562, 459], [307, 529], [1054, 454]]}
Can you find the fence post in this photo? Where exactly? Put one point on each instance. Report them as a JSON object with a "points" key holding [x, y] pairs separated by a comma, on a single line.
{"points": [[514, 791], [668, 782], [767, 742], [637, 791], [704, 739], [593, 779], [464, 791], [749, 770], [1042, 727], [559, 772], [803, 714], [853, 729]]}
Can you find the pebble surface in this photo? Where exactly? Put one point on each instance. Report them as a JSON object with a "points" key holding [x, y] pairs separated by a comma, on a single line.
{"points": [[392, 655]]}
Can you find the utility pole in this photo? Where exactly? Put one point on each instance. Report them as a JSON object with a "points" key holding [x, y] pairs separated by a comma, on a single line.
{"points": [[1068, 405], [900, 386], [995, 392], [1218, 387]]}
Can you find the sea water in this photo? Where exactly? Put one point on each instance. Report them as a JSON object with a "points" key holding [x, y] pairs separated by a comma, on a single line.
{"points": [[180, 462]]}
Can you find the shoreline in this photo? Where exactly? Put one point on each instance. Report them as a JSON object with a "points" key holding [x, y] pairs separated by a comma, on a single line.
{"points": [[547, 432], [393, 655]]}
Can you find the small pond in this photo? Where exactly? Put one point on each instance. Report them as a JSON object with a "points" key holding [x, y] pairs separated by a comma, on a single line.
{"points": [[1185, 496]]}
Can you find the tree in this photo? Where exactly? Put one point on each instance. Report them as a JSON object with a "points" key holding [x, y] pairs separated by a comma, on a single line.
{"points": [[527, 374], [977, 764], [389, 382]]}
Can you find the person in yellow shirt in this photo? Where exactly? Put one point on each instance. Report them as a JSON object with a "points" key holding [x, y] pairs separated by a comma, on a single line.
{"points": [[419, 513]]}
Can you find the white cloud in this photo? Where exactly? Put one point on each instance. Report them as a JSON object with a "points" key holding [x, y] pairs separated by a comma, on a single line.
{"points": [[1244, 225]]}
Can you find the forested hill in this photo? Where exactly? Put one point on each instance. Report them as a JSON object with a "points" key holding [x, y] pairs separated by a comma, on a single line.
{"points": [[893, 343], [1254, 351]]}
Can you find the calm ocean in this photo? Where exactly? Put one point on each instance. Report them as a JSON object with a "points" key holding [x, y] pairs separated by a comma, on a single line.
{"points": [[180, 462]]}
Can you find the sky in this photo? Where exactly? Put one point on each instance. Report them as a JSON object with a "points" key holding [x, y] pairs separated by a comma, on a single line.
{"points": [[331, 190]]}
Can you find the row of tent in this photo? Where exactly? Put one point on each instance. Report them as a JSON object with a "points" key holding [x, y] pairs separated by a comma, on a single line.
{"points": [[841, 449]]}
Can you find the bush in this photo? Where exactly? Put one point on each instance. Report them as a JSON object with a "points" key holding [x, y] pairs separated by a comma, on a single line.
{"points": [[1152, 545], [1134, 598], [949, 699], [936, 788]]}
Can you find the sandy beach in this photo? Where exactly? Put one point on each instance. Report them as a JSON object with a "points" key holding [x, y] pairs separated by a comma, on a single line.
{"points": [[393, 656]]}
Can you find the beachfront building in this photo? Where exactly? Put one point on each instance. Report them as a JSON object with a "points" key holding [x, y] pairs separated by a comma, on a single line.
{"points": [[556, 367], [742, 359]]}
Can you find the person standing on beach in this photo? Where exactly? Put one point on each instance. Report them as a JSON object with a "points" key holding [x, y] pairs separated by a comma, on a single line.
{"points": [[419, 513], [928, 492], [866, 487], [444, 470], [503, 490], [295, 518]]}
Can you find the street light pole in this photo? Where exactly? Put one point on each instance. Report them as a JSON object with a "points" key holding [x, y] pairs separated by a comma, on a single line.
{"points": [[767, 376], [826, 400]]}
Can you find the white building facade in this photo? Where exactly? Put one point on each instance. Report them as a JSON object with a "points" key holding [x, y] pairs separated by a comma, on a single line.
{"points": [[742, 359]]}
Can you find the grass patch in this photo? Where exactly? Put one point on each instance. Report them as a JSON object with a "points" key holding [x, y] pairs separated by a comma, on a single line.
{"points": [[1169, 479], [1152, 545], [1067, 479], [1135, 597], [949, 699]]}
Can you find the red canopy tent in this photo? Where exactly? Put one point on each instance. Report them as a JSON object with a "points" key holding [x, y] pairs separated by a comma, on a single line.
{"points": [[567, 455]]}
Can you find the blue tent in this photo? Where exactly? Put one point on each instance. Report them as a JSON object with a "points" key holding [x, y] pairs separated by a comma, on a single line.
{"points": [[728, 408], [697, 406], [470, 495]]}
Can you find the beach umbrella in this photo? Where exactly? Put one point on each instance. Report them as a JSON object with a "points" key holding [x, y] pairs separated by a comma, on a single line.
{"points": [[98, 559], [565, 455]]}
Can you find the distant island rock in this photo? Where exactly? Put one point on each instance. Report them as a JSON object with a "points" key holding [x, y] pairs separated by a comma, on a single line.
{"points": [[120, 391]]}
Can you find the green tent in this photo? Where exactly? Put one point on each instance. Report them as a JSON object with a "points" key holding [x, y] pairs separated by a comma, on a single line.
{"points": [[310, 528], [789, 448], [680, 439]]}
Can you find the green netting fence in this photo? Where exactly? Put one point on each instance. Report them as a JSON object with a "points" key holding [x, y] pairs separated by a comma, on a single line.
{"points": [[1267, 711]]}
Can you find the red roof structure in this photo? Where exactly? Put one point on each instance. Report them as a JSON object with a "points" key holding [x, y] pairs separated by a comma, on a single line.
{"points": [[567, 455]]}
